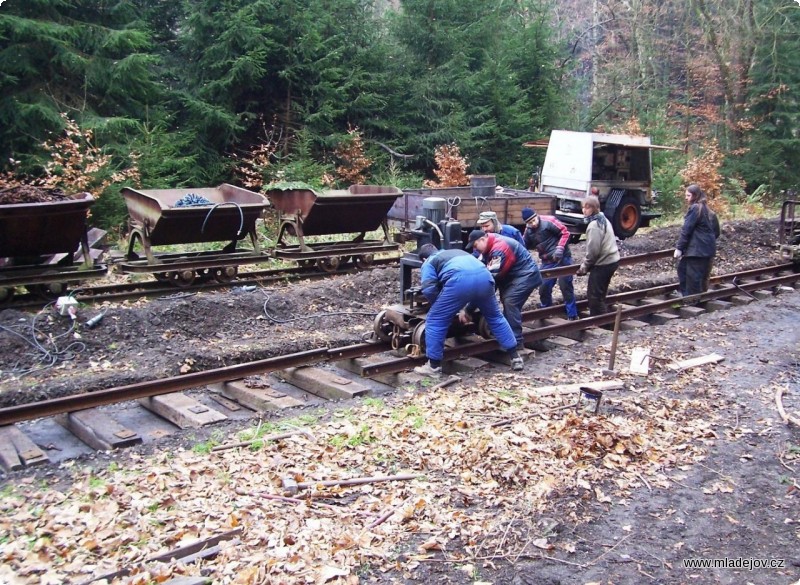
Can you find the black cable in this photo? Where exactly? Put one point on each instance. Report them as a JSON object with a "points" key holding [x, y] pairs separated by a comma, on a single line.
{"points": [[312, 316], [241, 216], [49, 353]]}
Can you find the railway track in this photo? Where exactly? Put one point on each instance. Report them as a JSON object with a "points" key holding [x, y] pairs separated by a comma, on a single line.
{"points": [[155, 288], [63, 428]]}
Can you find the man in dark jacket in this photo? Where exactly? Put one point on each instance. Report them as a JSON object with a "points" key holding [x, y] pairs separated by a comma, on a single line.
{"points": [[514, 271], [550, 238], [452, 279]]}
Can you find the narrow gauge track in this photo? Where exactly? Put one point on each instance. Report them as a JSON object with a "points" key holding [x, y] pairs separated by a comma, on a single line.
{"points": [[636, 304], [155, 288]]}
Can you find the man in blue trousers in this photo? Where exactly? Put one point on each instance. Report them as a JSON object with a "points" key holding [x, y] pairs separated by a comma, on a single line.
{"points": [[452, 279], [550, 238]]}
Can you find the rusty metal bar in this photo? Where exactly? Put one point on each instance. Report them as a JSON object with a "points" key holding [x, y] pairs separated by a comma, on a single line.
{"points": [[21, 412], [399, 365], [624, 261]]}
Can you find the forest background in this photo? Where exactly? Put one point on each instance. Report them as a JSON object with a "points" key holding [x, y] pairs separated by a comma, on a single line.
{"points": [[167, 94]]}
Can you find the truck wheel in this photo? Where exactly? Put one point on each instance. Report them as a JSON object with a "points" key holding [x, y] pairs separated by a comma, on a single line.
{"points": [[627, 217]]}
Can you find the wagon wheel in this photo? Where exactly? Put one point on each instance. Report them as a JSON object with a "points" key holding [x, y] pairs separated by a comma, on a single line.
{"points": [[418, 338], [383, 329], [225, 274], [6, 294], [181, 278], [329, 264], [305, 263], [364, 261], [482, 328]]}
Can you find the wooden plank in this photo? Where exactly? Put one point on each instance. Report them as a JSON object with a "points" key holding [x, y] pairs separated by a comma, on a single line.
{"points": [[225, 403], [185, 552], [9, 458], [182, 410], [324, 383], [258, 399], [711, 358], [18, 451], [573, 388], [98, 430]]}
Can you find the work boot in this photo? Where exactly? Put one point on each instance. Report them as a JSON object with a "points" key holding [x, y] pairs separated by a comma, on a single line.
{"points": [[517, 363], [428, 370]]}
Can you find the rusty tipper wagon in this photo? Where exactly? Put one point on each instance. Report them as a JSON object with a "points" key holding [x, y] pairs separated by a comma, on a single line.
{"points": [[162, 217], [359, 209], [44, 246]]}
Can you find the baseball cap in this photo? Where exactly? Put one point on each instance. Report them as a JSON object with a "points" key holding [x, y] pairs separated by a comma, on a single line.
{"points": [[474, 236]]}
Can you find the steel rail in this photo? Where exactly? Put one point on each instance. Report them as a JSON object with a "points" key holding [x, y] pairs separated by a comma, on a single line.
{"points": [[34, 410], [65, 404], [399, 364], [151, 288]]}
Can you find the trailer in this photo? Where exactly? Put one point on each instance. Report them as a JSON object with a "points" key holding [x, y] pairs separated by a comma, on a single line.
{"points": [[465, 204], [616, 168]]}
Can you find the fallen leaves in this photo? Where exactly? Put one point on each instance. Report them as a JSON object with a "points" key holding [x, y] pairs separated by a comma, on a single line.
{"points": [[480, 485]]}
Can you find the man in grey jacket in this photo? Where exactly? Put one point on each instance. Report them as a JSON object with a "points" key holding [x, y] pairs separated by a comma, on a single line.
{"points": [[602, 256]]}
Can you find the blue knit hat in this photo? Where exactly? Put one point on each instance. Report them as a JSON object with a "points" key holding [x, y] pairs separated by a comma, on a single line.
{"points": [[528, 214]]}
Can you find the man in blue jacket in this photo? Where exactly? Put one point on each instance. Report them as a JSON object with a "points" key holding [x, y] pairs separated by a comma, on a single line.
{"points": [[452, 279], [515, 274], [550, 238]]}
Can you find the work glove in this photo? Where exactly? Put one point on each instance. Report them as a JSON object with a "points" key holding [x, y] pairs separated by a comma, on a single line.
{"points": [[581, 271], [558, 255], [677, 254], [464, 318]]}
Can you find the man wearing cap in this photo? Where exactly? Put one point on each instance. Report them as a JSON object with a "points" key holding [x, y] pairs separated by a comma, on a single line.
{"points": [[515, 273], [451, 279], [488, 222], [550, 238]]}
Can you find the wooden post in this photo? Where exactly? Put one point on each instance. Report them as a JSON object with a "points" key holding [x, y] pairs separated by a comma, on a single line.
{"points": [[612, 358]]}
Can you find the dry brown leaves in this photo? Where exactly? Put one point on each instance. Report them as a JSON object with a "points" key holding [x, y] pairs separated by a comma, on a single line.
{"points": [[451, 167], [479, 486]]}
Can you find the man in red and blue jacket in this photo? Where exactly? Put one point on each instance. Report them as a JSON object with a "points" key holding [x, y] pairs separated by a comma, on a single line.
{"points": [[515, 273]]}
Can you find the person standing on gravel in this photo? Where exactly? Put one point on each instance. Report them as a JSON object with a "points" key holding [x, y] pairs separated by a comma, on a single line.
{"points": [[697, 244], [488, 222], [550, 238], [514, 271], [452, 279], [602, 256]]}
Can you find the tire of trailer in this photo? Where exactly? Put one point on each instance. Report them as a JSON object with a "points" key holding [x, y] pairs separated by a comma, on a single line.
{"points": [[627, 217]]}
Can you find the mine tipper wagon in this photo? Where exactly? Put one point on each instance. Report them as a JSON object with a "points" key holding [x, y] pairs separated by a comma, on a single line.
{"points": [[617, 168]]}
